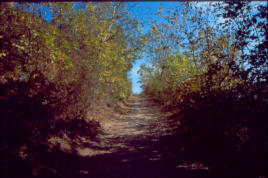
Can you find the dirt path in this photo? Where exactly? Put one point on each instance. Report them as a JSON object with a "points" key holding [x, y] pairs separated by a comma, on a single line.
{"points": [[130, 145], [144, 121], [141, 143]]}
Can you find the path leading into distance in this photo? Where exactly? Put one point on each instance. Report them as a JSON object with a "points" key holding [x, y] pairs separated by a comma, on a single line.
{"points": [[141, 143]]}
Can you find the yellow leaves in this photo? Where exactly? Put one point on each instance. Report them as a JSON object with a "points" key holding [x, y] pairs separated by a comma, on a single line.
{"points": [[98, 65], [109, 45], [90, 7], [18, 46], [107, 73], [113, 79], [45, 4], [3, 53], [123, 95], [51, 9], [54, 30], [184, 59], [35, 75], [52, 56], [105, 22], [62, 56]]}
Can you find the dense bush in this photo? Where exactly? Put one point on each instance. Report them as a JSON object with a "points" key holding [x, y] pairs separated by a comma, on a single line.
{"points": [[223, 103], [52, 73]]}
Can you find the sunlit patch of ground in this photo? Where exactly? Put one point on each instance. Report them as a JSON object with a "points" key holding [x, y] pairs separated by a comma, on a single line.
{"points": [[193, 166], [144, 120], [139, 139]]}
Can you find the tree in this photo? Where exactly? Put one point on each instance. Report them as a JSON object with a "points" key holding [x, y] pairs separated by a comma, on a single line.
{"points": [[216, 79], [53, 73], [249, 22]]}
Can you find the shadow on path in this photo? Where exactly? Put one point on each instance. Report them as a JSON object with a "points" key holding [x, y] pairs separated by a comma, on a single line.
{"points": [[139, 144]]}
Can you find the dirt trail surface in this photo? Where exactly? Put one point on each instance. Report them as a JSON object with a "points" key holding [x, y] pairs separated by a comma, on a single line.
{"points": [[144, 121], [138, 144]]}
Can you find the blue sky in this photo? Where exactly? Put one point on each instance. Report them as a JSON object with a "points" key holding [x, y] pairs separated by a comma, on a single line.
{"points": [[144, 11]]}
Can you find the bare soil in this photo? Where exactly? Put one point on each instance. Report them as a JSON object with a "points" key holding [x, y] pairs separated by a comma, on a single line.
{"points": [[140, 143]]}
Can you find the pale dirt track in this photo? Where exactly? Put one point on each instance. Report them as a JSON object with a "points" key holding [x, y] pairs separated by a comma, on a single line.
{"points": [[141, 143], [143, 121]]}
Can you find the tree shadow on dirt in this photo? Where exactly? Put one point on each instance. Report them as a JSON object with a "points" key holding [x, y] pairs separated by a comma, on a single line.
{"points": [[142, 158], [26, 125]]}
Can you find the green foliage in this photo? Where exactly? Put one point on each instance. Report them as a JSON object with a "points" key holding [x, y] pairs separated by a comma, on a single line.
{"points": [[249, 24], [53, 73], [215, 93]]}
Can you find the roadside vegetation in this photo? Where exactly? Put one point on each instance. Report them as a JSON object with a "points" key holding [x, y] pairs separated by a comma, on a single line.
{"points": [[211, 65], [60, 76], [54, 75]]}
